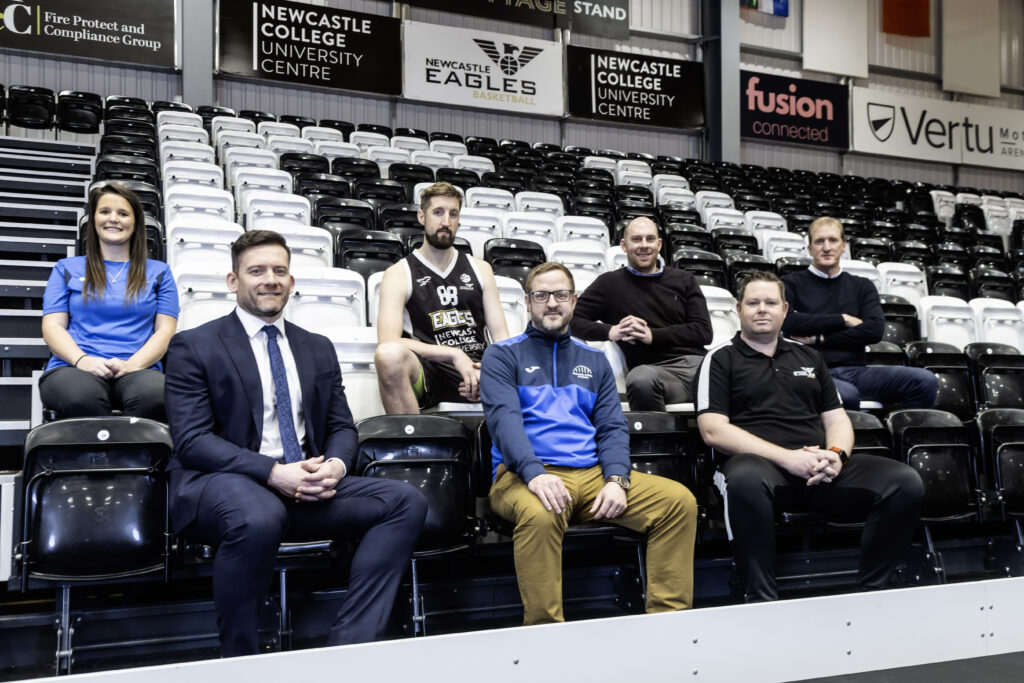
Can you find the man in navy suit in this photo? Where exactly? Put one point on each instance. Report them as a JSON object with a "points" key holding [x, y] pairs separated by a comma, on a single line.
{"points": [[246, 476]]}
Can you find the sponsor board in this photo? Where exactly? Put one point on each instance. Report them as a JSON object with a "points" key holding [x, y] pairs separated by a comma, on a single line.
{"points": [[609, 18], [300, 43], [794, 110], [482, 69], [134, 31], [936, 130], [632, 88]]}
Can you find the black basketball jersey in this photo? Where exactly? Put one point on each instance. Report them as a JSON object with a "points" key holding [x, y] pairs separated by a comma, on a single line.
{"points": [[445, 308]]}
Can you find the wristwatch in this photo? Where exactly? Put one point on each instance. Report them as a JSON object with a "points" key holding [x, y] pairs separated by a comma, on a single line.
{"points": [[621, 481], [843, 455]]}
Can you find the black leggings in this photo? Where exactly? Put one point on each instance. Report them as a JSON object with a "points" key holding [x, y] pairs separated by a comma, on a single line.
{"points": [[76, 393], [883, 493]]}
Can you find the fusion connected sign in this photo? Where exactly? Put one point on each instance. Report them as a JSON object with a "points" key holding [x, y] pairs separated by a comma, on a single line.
{"points": [[794, 110]]}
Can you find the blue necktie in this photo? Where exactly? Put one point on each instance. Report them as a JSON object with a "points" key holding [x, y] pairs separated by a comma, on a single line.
{"points": [[292, 451]]}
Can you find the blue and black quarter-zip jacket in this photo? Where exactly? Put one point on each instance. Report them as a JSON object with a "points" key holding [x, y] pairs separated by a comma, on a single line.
{"points": [[552, 401]]}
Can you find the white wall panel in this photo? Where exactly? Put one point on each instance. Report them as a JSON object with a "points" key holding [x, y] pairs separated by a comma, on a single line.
{"points": [[903, 86], [474, 122], [782, 66], [766, 30], [897, 169], [1011, 25], [789, 156], [320, 104], [480, 23], [902, 52], [654, 141], [991, 179], [58, 74], [665, 16]]}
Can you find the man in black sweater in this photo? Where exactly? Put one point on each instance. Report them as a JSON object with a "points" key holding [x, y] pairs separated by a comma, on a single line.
{"points": [[839, 314], [658, 315]]}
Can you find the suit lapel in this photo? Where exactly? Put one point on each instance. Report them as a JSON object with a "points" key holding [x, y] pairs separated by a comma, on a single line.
{"points": [[298, 340], [238, 349]]}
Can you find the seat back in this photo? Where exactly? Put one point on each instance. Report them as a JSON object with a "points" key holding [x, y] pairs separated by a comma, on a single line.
{"points": [[95, 499], [433, 453]]}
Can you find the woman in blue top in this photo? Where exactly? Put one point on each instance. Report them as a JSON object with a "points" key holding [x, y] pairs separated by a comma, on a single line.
{"points": [[108, 316]]}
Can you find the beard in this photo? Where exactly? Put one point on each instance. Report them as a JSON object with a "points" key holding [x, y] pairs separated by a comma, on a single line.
{"points": [[440, 240]]}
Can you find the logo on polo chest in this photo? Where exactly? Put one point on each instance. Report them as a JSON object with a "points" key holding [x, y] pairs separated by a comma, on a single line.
{"points": [[805, 372], [582, 372]]}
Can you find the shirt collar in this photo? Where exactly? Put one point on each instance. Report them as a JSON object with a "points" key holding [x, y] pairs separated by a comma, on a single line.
{"points": [[825, 276], [659, 271], [253, 325], [782, 347]]}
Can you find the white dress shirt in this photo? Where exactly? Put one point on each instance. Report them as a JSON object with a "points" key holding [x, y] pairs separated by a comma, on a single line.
{"points": [[271, 445]]}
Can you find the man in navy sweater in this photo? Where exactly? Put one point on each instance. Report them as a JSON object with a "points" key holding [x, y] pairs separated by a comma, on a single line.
{"points": [[561, 456], [839, 314], [657, 315]]}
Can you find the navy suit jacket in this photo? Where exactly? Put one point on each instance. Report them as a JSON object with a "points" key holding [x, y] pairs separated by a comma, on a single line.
{"points": [[214, 403]]}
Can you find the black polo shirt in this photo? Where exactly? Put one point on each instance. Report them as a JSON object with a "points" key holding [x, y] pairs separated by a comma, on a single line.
{"points": [[778, 398]]}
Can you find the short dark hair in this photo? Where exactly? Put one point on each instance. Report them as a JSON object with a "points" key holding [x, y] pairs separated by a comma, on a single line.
{"points": [[441, 189], [759, 276], [825, 220], [255, 238], [547, 268]]}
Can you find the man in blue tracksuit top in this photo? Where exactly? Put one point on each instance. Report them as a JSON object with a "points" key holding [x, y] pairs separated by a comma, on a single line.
{"points": [[561, 456]]}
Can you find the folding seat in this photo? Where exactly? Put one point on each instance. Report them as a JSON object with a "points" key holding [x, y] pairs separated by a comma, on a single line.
{"points": [[513, 304], [628, 209], [310, 247], [991, 283], [248, 179], [947, 281], [632, 193], [264, 206], [198, 203], [369, 189], [317, 134], [450, 147], [997, 219], [791, 264], [313, 185], [200, 243], [432, 160], [952, 254], [677, 213], [329, 301], [269, 129], [581, 228], [738, 264], [297, 120], [178, 118], [903, 280], [281, 144], [633, 177], [435, 454], [678, 235], [676, 196], [529, 225], [257, 117], [870, 249], [706, 266], [30, 107], [333, 149], [600, 162], [662, 181], [230, 140], [950, 365], [234, 124], [353, 168], [478, 226], [725, 322], [301, 162], [513, 258], [177, 133], [355, 349], [490, 198], [915, 253], [392, 215], [998, 322], [93, 510], [79, 112], [733, 238], [200, 173], [164, 105], [539, 202], [344, 127], [707, 199], [778, 245], [987, 256], [871, 437], [998, 372], [756, 220], [947, 319], [237, 158], [459, 177], [594, 208], [386, 155], [615, 258], [585, 259], [365, 139], [123, 167], [368, 251], [142, 129], [128, 145], [477, 164], [337, 213]]}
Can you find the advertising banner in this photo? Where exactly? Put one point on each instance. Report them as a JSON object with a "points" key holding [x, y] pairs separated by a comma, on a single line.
{"points": [[936, 130], [482, 69], [794, 110], [608, 18], [632, 88], [133, 31], [300, 43]]}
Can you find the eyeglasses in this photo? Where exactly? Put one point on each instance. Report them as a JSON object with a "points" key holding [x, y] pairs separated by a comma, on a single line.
{"points": [[561, 295]]}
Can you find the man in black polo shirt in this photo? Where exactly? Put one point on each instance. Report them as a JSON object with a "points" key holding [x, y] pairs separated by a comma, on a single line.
{"points": [[770, 404]]}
